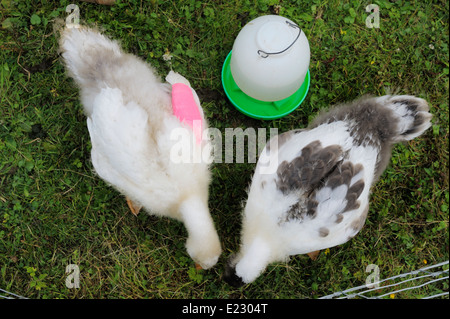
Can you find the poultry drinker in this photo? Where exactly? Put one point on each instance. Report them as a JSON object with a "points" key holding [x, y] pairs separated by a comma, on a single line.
{"points": [[266, 76]]}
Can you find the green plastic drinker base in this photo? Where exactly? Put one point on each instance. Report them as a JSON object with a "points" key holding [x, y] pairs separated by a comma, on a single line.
{"points": [[257, 109]]}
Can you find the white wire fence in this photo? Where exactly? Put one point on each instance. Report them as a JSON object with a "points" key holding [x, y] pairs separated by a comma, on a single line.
{"points": [[425, 283], [9, 295]]}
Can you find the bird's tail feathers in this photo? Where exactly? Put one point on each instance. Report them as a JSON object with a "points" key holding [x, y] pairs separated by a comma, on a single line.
{"points": [[87, 53], [412, 114], [175, 77]]}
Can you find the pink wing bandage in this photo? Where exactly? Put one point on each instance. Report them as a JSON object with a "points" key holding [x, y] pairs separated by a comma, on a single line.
{"points": [[185, 108]]}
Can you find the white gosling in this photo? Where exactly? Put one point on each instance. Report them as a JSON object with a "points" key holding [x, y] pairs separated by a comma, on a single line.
{"points": [[318, 196], [130, 121]]}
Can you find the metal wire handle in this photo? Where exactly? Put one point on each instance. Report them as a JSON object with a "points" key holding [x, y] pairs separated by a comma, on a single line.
{"points": [[265, 54]]}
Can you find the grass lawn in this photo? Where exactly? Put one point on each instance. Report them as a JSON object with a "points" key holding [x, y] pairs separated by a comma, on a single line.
{"points": [[54, 211]]}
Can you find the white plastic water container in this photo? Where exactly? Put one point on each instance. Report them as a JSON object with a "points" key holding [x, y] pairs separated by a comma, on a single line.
{"points": [[270, 58]]}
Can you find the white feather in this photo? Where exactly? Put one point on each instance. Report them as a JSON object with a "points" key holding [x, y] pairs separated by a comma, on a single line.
{"points": [[267, 236], [130, 122]]}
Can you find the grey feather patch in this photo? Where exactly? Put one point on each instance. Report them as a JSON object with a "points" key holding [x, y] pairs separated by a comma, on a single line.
{"points": [[343, 176], [410, 105], [416, 109], [311, 208], [263, 184], [335, 181], [308, 169], [419, 120], [301, 209], [353, 194], [357, 168], [310, 148], [358, 223], [323, 232], [304, 175], [357, 188], [373, 124]]}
